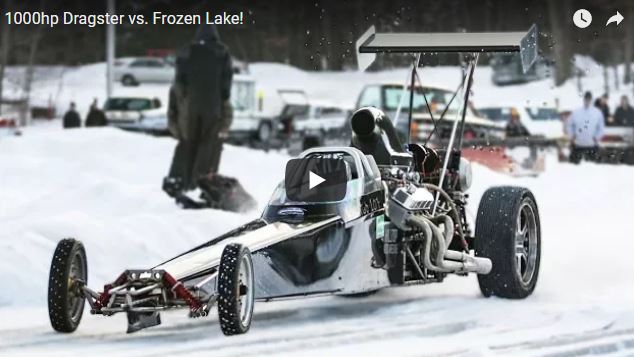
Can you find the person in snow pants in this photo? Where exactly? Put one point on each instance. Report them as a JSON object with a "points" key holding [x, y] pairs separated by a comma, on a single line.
{"points": [[197, 109]]}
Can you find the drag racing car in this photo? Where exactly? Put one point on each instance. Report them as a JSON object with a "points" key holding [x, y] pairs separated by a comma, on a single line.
{"points": [[346, 220]]}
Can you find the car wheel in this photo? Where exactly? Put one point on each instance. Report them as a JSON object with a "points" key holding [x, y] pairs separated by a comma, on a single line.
{"points": [[628, 157], [508, 232], [265, 132], [235, 290], [128, 80], [69, 272]]}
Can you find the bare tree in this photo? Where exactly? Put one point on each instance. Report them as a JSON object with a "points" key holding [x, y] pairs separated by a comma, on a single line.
{"points": [[628, 47], [28, 75], [557, 11], [5, 30]]}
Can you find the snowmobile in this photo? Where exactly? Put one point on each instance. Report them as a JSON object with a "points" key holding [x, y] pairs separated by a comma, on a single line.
{"points": [[346, 220]]}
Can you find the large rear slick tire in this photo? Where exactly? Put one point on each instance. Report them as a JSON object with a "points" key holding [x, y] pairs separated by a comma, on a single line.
{"points": [[235, 290], [69, 272], [508, 232]]}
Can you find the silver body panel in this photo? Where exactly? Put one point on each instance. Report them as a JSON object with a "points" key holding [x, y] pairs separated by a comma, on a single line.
{"points": [[332, 255], [209, 257]]}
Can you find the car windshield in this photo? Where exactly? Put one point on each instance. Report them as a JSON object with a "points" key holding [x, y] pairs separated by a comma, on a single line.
{"points": [[496, 114], [543, 113], [242, 96], [437, 99], [501, 60], [128, 104]]}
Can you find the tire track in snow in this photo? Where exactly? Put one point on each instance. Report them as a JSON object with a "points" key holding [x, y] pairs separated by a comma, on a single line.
{"points": [[600, 341]]}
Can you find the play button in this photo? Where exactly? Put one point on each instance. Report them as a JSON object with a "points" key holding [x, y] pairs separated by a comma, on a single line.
{"points": [[314, 180]]}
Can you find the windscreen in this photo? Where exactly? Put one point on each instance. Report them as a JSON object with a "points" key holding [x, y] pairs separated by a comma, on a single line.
{"points": [[543, 114], [496, 114], [437, 99], [125, 104]]}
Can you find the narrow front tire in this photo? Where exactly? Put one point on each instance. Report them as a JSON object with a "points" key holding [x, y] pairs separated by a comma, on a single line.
{"points": [[235, 290], [68, 274]]}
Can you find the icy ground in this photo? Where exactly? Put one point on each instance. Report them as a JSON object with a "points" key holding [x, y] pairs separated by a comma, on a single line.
{"points": [[103, 186]]}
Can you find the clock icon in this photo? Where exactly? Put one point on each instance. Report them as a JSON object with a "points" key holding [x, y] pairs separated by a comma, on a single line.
{"points": [[582, 18]]}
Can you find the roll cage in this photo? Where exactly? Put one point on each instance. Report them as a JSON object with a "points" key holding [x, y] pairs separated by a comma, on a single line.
{"points": [[469, 46]]}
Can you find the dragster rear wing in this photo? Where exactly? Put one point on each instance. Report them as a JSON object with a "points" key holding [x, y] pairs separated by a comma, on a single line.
{"points": [[371, 43]]}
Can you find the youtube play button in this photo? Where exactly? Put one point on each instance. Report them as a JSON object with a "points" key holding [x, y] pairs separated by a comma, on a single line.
{"points": [[316, 179]]}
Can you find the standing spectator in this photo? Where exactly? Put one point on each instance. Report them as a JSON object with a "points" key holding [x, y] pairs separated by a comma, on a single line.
{"points": [[199, 110], [96, 116], [585, 129], [514, 127], [602, 104], [624, 115], [71, 118]]}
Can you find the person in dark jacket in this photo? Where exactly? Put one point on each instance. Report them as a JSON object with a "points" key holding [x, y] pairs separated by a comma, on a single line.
{"points": [[514, 127], [602, 104], [96, 116], [624, 114], [71, 118], [199, 110]]}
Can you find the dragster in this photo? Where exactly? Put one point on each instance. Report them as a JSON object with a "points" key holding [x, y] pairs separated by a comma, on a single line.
{"points": [[346, 221]]}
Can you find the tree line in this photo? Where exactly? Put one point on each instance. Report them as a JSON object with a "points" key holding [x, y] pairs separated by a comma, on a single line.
{"points": [[320, 35]]}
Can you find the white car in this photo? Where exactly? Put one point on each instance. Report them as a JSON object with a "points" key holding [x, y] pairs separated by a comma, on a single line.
{"points": [[323, 117], [136, 113], [324, 124], [540, 121], [247, 124], [134, 71], [251, 126]]}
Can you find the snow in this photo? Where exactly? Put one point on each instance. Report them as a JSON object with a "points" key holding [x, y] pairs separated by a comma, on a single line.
{"points": [[103, 187]]}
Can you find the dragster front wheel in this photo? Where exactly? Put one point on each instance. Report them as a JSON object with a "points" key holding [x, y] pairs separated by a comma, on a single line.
{"points": [[235, 290], [69, 272]]}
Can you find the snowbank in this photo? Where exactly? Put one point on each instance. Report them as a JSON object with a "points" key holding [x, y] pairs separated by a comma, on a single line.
{"points": [[103, 187]]}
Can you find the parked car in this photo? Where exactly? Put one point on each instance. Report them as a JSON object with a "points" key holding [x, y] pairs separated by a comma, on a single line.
{"points": [[137, 114], [507, 69], [248, 124], [541, 121], [137, 70], [252, 127], [324, 124]]}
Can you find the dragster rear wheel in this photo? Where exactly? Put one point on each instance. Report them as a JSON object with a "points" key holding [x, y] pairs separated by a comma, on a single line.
{"points": [[235, 290], [508, 232], [69, 272]]}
